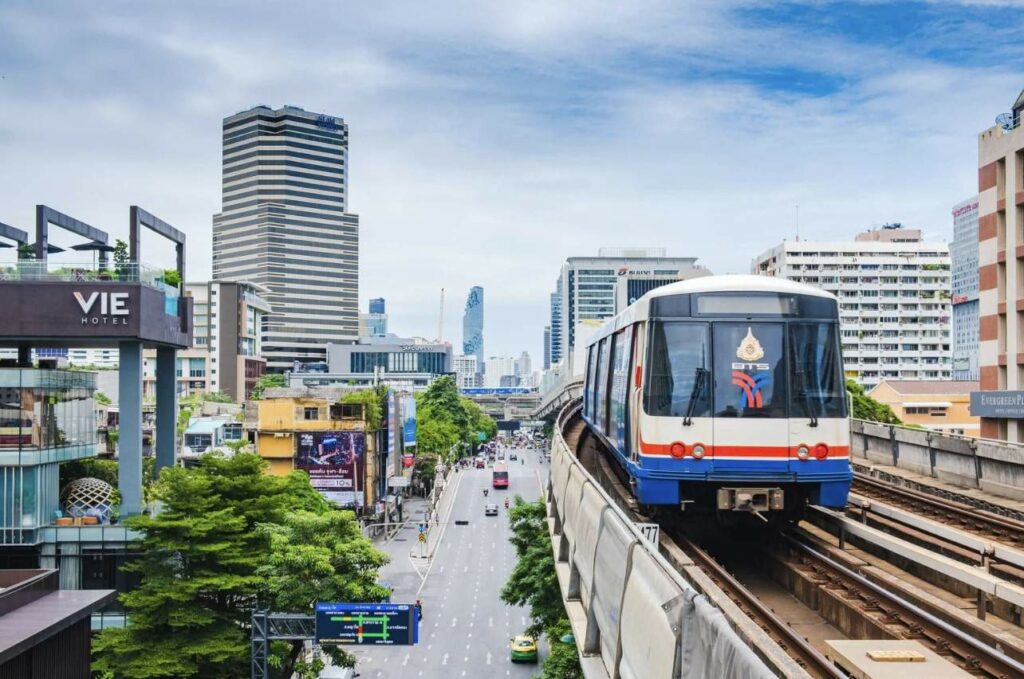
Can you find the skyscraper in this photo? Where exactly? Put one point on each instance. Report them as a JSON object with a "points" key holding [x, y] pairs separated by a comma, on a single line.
{"points": [[473, 325], [284, 225], [556, 323], [586, 290], [375, 323]]}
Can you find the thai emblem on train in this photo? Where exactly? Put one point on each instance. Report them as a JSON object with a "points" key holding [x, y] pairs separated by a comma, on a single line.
{"points": [[751, 377], [750, 349]]}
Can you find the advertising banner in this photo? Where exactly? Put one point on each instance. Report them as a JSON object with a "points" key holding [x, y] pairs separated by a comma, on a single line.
{"points": [[334, 462], [408, 421]]}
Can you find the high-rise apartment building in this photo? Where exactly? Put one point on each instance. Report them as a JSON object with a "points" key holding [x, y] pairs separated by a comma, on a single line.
{"points": [[377, 305], [963, 254], [1000, 276], [466, 371], [547, 347], [226, 352], [499, 369], [473, 326], [586, 288], [284, 225], [894, 299], [556, 324]]}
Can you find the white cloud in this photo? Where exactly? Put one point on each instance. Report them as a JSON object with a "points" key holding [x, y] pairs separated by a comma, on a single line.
{"points": [[489, 142]]}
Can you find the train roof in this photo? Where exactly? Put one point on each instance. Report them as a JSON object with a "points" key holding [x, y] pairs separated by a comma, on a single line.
{"points": [[720, 283], [725, 283]]}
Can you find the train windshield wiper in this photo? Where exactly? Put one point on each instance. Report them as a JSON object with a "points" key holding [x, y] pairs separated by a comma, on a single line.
{"points": [[698, 384], [809, 405]]}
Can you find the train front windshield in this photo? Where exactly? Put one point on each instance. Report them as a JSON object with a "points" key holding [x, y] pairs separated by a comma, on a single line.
{"points": [[779, 359]]}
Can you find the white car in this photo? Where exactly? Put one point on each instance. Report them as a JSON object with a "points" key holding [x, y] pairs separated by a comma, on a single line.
{"points": [[490, 509]]}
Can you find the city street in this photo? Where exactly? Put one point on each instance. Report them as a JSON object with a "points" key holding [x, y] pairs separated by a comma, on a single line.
{"points": [[466, 628]]}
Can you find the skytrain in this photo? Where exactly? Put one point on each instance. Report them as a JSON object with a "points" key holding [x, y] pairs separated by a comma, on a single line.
{"points": [[724, 394]]}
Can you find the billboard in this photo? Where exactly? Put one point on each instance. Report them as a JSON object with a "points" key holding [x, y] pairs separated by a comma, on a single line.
{"points": [[408, 421], [335, 462], [1007, 404], [367, 624]]}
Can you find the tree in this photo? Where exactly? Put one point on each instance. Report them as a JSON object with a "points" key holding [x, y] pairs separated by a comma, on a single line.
{"points": [[121, 259], [425, 469], [101, 398], [204, 566], [867, 408], [564, 660], [319, 557], [444, 418], [533, 581], [266, 382]]}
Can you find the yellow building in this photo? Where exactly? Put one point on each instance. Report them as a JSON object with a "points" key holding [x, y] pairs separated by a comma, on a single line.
{"points": [[310, 429], [939, 405]]}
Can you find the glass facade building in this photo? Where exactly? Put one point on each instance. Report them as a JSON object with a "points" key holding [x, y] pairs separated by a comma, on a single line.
{"points": [[46, 417], [964, 263]]}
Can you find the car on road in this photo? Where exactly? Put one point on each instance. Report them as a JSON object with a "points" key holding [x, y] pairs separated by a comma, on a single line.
{"points": [[512, 457], [524, 649], [480, 463], [490, 509]]}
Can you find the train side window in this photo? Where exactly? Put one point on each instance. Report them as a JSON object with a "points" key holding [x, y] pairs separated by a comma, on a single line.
{"points": [[678, 370], [601, 390], [620, 389]]}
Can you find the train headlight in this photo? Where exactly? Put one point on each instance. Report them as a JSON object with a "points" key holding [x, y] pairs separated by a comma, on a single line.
{"points": [[803, 452], [698, 451], [678, 449], [821, 451]]}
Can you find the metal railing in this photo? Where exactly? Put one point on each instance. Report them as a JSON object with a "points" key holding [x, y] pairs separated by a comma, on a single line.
{"points": [[88, 272]]}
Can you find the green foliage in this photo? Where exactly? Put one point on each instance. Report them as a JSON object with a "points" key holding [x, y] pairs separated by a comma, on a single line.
{"points": [[372, 404], [444, 418], [217, 397], [564, 660], [266, 382], [867, 408], [89, 467], [121, 259], [319, 557], [172, 278], [230, 537], [101, 398], [533, 582]]}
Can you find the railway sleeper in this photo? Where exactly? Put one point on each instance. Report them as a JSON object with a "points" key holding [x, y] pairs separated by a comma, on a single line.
{"points": [[960, 614]]}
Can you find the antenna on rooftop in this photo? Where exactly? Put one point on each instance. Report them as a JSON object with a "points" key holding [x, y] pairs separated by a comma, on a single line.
{"points": [[798, 222]]}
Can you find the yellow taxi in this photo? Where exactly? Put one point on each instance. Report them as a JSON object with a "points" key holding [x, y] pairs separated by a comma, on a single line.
{"points": [[524, 649]]}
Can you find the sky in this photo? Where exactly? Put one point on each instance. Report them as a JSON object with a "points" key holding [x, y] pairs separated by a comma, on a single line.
{"points": [[489, 141]]}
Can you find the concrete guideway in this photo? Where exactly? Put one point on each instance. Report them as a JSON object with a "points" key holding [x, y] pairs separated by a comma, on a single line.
{"points": [[466, 628]]}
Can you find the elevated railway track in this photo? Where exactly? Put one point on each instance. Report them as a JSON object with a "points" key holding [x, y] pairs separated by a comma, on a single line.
{"points": [[845, 591]]}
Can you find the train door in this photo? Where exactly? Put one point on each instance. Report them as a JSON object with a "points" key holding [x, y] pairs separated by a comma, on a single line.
{"points": [[636, 390], [751, 429]]}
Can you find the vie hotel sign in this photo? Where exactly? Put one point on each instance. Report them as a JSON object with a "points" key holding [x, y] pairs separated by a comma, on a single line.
{"points": [[103, 308], [1009, 404]]}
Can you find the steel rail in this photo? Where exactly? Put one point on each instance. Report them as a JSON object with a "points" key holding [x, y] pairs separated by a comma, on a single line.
{"points": [[996, 663], [996, 524]]}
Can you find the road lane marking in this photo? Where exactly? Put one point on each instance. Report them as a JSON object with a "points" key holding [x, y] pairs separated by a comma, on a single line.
{"points": [[490, 622], [444, 660], [406, 660], [454, 620], [488, 657]]}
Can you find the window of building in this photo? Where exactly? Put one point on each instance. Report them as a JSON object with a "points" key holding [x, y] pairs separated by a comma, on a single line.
{"points": [[310, 413]]}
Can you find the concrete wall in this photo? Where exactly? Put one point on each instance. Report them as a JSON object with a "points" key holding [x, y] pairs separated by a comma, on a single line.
{"points": [[993, 466]]}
